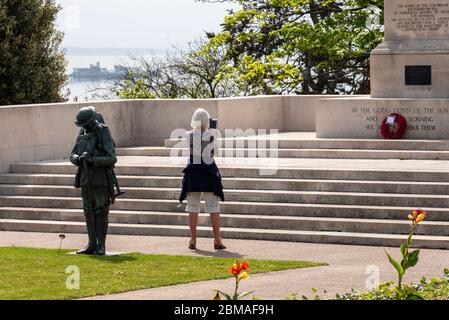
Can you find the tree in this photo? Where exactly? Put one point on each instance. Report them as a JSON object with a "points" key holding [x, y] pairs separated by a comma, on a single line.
{"points": [[300, 46], [191, 74], [32, 68]]}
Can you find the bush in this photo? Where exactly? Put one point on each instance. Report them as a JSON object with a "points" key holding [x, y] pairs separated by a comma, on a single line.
{"points": [[433, 289]]}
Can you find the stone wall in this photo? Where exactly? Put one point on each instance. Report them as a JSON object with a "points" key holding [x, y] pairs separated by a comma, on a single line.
{"points": [[46, 131], [360, 117]]}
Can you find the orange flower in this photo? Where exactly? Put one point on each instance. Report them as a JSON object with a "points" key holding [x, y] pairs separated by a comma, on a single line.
{"points": [[244, 265], [417, 216], [235, 269], [420, 218]]}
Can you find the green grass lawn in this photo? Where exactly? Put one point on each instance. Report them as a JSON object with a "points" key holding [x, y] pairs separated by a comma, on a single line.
{"points": [[27, 273]]}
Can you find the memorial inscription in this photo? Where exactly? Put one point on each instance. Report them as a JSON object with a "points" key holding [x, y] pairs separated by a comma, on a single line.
{"points": [[421, 17], [418, 118]]}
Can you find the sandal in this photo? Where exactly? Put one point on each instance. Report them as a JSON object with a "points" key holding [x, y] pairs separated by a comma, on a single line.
{"points": [[218, 245], [192, 245]]}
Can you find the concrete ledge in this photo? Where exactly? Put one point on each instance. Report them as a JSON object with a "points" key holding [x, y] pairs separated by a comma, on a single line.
{"points": [[46, 131]]}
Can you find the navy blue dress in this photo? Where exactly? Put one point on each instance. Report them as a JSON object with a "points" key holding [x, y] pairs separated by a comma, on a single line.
{"points": [[201, 177]]}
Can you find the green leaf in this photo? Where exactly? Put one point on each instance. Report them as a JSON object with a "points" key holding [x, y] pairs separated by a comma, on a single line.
{"points": [[410, 239], [403, 250], [411, 293], [413, 259], [242, 295], [404, 261], [227, 296], [396, 265]]}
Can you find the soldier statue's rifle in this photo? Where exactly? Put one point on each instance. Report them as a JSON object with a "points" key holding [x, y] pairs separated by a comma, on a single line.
{"points": [[117, 186], [113, 182]]}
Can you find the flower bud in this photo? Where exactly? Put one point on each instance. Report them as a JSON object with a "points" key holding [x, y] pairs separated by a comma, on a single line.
{"points": [[244, 275]]}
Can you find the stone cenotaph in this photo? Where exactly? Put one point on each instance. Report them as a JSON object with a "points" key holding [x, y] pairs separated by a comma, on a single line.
{"points": [[409, 76]]}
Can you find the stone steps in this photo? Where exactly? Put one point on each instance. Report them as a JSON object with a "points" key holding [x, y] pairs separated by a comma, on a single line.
{"points": [[362, 198], [294, 153], [279, 196], [236, 207], [286, 142], [404, 187], [373, 239], [421, 175], [231, 220]]}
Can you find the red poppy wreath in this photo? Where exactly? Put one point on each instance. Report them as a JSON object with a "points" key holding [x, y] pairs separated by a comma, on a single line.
{"points": [[393, 129]]}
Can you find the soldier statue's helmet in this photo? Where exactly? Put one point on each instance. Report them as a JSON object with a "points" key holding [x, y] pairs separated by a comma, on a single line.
{"points": [[85, 116]]}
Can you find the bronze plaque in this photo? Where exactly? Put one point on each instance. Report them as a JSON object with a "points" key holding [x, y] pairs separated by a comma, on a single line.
{"points": [[418, 75]]}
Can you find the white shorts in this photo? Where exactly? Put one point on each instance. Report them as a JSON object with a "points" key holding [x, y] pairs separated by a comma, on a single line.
{"points": [[194, 202]]}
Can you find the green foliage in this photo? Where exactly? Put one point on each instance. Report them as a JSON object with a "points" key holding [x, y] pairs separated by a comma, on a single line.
{"points": [[32, 68], [300, 46], [134, 87], [40, 273], [433, 289], [271, 47]]}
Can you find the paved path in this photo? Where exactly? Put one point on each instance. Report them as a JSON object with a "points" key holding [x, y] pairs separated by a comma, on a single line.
{"points": [[348, 265]]}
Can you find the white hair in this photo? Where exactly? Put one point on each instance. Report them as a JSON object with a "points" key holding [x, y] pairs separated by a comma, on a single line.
{"points": [[200, 119]]}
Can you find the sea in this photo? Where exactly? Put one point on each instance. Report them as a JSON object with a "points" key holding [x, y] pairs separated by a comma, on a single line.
{"points": [[77, 90], [84, 90]]}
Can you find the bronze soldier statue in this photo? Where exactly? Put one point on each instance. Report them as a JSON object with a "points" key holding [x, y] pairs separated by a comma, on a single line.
{"points": [[94, 155]]}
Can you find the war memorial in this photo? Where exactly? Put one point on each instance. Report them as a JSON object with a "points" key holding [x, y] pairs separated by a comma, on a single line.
{"points": [[309, 169], [338, 180]]}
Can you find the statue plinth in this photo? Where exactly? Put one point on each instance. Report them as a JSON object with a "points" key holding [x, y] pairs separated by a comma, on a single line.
{"points": [[413, 62]]}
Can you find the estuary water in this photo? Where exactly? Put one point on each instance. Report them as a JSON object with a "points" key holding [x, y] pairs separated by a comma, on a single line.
{"points": [[92, 90]]}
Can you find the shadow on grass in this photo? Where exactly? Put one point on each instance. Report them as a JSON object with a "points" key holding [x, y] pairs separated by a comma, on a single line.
{"points": [[114, 259], [218, 254]]}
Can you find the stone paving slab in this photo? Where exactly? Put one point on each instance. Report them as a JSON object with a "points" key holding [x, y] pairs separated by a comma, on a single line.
{"points": [[349, 266], [300, 163]]}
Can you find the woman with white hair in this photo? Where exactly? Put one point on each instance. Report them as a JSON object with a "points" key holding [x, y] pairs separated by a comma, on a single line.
{"points": [[202, 178]]}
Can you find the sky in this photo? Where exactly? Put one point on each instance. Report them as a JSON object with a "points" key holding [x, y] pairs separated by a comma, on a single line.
{"points": [[155, 24]]}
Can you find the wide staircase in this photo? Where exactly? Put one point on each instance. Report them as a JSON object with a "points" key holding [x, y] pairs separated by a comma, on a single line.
{"points": [[324, 191]]}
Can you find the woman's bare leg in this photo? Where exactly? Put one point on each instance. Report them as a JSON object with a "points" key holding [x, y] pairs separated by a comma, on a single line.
{"points": [[215, 220], [193, 221]]}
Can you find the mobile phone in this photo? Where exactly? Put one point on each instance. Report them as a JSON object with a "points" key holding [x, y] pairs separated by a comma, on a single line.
{"points": [[213, 123]]}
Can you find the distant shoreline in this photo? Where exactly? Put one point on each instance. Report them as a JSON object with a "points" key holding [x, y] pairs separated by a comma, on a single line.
{"points": [[106, 51]]}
